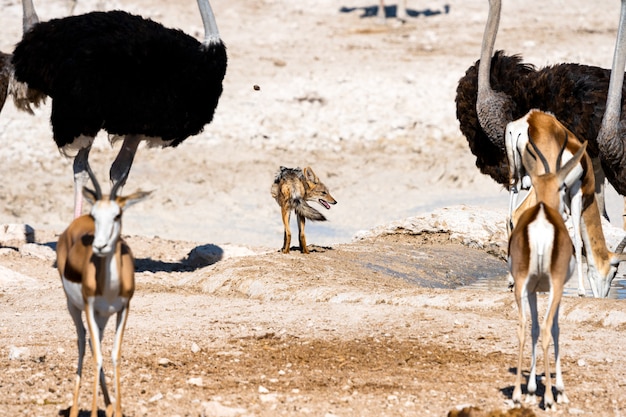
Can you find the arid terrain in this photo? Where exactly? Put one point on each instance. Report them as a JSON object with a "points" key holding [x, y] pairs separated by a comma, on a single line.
{"points": [[402, 306]]}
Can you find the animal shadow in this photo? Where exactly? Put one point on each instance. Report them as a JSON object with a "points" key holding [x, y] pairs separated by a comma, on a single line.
{"points": [[199, 257], [541, 388], [312, 249], [81, 413], [392, 11]]}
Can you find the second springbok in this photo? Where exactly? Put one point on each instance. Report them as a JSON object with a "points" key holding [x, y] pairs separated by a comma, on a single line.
{"points": [[577, 197], [97, 272], [541, 259]]}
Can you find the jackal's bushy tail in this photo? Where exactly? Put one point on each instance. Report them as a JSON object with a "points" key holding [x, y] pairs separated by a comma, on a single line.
{"points": [[303, 209]]}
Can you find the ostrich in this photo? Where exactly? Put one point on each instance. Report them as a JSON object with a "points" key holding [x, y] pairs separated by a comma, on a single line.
{"points": [[612, 135], [5, 77], [119, 72], [499, 89]]}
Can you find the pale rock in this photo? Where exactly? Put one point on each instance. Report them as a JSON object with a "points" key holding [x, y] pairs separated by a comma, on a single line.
{"points": [[216, 409]]}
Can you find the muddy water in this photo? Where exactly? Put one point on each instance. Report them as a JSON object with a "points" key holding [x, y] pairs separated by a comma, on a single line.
{"points": [[457, 266], [493, 282]]}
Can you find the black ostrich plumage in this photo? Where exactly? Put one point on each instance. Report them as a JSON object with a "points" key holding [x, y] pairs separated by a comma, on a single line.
{"points": [[576, 95], [122, 73]]}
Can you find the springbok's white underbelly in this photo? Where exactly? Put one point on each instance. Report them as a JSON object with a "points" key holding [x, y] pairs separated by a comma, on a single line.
{"points": [[103, 305], [74, 293]]}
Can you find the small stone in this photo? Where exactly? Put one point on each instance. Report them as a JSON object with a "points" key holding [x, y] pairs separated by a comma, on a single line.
{"points": [[158, 396], [16, 234], [215, 408], [16, 353], [195, 381], [268, 398]]}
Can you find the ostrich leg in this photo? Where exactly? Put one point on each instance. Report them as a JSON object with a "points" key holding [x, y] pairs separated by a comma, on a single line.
{"points": [[124, 159], [81, 178]]}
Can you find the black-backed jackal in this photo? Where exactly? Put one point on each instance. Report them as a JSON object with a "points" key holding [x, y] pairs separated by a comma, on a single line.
{"points": [[292, 188]]}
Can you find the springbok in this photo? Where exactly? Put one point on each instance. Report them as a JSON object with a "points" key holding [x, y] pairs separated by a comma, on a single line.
{"points": [[541, 259], [578, 197], [97, 272], [550, 136]]}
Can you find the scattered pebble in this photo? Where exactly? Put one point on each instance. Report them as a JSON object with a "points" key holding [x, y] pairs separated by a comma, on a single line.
{"points": [[16, 353], [215, 408], [158, 396], [195, 381]]}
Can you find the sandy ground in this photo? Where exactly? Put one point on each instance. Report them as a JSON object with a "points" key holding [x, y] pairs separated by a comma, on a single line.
{"points": [[390, 314]]}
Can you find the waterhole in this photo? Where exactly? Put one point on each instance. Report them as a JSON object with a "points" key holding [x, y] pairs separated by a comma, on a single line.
{"points": [[458, 267]]}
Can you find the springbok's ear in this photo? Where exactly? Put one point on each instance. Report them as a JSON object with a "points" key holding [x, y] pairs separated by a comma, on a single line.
{"points": [[133, 198], [619, 255], [310, 175], [90, 195], [616, 258]]}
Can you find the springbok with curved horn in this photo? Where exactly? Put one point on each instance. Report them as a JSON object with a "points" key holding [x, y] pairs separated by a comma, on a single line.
{"points": [[97, 272], [557, 144], [578, 198], [541, 259]]}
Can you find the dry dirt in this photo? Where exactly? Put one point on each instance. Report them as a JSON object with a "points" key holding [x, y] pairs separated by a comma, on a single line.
{"points": [[389, 322]]}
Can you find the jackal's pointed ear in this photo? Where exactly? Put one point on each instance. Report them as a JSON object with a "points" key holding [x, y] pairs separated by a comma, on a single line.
{"points": [[310, 175]]}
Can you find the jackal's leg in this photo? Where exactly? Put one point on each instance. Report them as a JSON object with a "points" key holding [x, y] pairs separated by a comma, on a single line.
{"points": [[301, 237], [287, 236]]}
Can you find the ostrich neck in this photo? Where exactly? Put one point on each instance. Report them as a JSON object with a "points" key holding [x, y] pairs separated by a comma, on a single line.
{"points": [[614, 97], [211, 34], [29, 16], [494, 109], [489, 40], [610, 143]]}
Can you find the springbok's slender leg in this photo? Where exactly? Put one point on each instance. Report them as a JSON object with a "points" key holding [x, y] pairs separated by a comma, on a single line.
{"points": [[576, 207], [95, 334], [550, 332], [75, 313], [598, 173], [521, 298], [534, 336], [559, 384], [117, 355]]}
